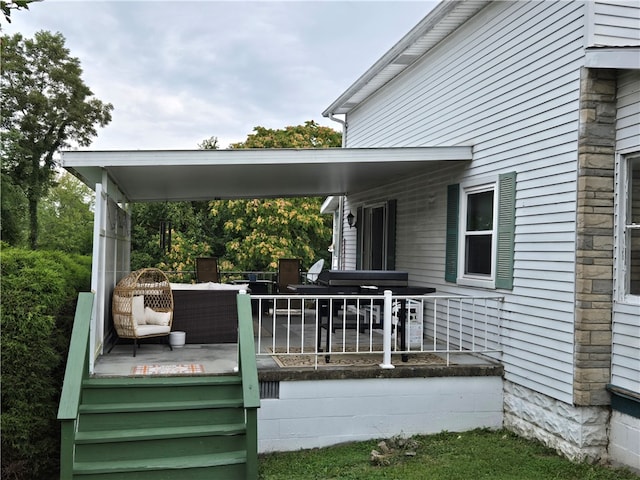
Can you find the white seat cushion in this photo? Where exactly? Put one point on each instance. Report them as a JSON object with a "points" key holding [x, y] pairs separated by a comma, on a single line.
{"points": [[156, 318], [144, 330]]}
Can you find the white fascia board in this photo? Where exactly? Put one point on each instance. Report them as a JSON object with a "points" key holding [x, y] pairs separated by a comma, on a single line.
{"points": [[262, 156], [624, 58]]}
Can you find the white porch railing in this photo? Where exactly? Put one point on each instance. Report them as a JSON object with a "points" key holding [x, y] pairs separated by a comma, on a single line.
{"points": [[370, 324]]}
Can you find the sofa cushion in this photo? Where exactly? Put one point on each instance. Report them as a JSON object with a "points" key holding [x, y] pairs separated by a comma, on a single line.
{"points": [[156, 318], [137, 310], [145, 330], [209, 286]]}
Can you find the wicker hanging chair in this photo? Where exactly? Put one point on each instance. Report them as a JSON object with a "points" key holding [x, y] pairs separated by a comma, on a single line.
{"points": [[142, 306]]}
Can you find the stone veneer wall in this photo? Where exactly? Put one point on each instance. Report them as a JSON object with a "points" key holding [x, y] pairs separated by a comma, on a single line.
{"points": [[594, 240], [579, 433]]}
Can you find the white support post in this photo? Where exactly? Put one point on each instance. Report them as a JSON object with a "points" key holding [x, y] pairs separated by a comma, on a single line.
{"points": [[386, 335]]}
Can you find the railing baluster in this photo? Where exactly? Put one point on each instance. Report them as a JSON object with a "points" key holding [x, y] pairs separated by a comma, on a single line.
{"points": [[460, 325], [330, 327], [486, 324], [386, 337], [357, 325], [473, 324], [435, 324], [288, 325], [344, 325], [273, 335], [258, 349], [371, 312], [302, 317]]}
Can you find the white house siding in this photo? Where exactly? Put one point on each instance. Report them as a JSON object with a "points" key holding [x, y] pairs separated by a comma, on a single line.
{"points": [[628, 115], [507, 82], [614, 23], [625, 362]]}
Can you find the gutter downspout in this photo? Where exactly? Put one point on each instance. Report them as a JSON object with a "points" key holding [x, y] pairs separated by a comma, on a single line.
{"points": [[344, 124], [341, 259]]}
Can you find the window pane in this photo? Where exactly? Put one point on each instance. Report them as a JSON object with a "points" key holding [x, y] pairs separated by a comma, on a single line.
{"points": [[478, 255], [480, 211]]}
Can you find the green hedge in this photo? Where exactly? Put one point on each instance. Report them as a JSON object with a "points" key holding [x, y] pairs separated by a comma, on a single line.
{"points": [[39, 293]]}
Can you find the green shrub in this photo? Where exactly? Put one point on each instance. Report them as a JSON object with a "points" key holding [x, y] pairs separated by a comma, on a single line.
{"points": [[39, 293]]}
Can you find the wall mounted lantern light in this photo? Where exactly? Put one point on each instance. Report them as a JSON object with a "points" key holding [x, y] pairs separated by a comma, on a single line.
{"points": [[351, 220]]}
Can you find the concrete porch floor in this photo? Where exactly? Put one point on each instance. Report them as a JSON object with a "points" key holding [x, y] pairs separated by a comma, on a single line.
{"points": [[217, 359]]}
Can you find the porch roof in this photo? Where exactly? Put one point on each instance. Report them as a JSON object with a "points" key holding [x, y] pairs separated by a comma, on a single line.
{"points": [[187, 175]]}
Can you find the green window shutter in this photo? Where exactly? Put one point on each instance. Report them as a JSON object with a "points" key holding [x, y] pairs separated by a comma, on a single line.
{"points": [[391, 234], [451, 255], [506, 230]]}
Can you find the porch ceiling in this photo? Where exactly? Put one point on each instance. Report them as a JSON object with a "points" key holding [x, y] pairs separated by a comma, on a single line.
{"points": [[178, 175]]}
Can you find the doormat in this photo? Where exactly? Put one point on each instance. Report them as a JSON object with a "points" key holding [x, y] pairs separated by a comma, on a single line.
{"points": [[296, 359], [173, 369]]}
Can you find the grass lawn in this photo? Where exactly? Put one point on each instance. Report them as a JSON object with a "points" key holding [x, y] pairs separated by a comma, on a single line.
{"points": [[478, 454]]}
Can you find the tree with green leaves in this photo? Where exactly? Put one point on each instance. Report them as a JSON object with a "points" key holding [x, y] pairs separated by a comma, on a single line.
{"points": [[194, 232], [8, 7], [309, 135], [13, 225], [65, 217], [45, 106], [261, 231]]}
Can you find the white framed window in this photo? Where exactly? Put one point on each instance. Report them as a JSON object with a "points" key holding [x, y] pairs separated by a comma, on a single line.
{"points": [[476, 250], [628, 228], [480, 232]]}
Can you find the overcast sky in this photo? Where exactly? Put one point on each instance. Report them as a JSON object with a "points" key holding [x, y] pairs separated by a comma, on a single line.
{"points": [[179, 72]]}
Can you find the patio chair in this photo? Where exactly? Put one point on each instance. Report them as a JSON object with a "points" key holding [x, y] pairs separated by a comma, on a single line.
{"points": [[142, 306], [288, 273], [314, 271], [207, 270]]}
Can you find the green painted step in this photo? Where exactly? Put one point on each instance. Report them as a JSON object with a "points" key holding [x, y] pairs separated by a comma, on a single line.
{"points": [[159, 406], [151, 419], [152, 448], [186, 428], [191, 467], [145, 390], [155, 381], [138, 434]]}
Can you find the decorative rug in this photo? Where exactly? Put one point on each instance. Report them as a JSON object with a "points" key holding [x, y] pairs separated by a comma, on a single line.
{"points": [[173, 369], [294, 359]]}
